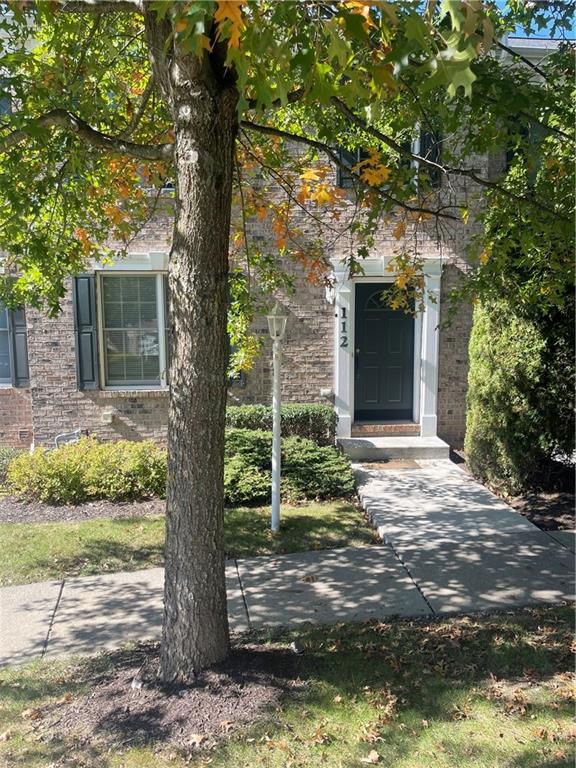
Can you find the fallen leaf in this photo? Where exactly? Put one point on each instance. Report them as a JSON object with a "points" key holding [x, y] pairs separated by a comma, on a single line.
{"points": [[337, 699], [196, 739], [226, 726], [372, 759], [309, 579], [33, 713], [5, 736]]}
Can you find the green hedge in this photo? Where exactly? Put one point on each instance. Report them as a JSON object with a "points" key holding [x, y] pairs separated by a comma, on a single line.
{"points": [[309, 471], [127, 470], [520, 418], [313, 421]]}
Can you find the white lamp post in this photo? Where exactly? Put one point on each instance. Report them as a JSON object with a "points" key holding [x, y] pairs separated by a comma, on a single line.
{"points": [[277, 328]]}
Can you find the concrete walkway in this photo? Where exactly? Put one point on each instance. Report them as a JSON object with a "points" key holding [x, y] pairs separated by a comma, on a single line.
{"points": [[448, 545], [465, 548]]}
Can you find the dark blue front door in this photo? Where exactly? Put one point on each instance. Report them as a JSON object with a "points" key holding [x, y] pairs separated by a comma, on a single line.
{"points": [[384, 357]]}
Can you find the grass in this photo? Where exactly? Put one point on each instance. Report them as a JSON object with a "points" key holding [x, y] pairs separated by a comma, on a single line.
{"points": [[486, 692], [43, 551]]}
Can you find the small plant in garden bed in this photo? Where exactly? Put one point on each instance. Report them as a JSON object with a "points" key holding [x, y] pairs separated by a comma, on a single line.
{"points": [[90, 470], [127, 470], [7, 454], [309, 471]]}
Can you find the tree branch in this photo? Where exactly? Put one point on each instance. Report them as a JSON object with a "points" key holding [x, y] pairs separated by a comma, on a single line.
{"points": [[469, 173], [101, 6], [60, 118], [270, 131], [138, 114], [291, 98], [523, 59]]}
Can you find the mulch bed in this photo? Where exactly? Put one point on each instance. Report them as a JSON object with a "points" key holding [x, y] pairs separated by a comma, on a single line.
{"points": [[548, 511], [127, 705], [14, 510]]}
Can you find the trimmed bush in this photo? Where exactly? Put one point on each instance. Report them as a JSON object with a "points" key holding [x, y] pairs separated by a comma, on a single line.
{"points": [[310, 420], [88, 470], [520, 420], [309, 471], [125, 470], [6, 456]]}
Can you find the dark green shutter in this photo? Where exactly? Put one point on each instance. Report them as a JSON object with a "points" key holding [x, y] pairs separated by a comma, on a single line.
{"points": [[18, 347], [84, 298], [430, 148]]}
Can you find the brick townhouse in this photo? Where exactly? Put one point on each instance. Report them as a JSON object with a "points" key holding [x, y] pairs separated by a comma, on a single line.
{"points": [[101, 364]]}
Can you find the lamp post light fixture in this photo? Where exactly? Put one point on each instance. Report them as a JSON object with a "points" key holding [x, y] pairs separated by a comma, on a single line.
{"points": [[277, 328]]}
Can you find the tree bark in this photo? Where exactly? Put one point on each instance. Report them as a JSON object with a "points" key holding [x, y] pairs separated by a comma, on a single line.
{"points": [[195, 633]]}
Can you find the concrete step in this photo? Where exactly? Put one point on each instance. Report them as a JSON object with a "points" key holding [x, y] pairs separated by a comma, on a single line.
{"points": [[380, 448], [392, 429]]}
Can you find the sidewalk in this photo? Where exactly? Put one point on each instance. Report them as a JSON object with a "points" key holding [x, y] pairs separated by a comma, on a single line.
{"points": [[449, 545], [85, 615]]}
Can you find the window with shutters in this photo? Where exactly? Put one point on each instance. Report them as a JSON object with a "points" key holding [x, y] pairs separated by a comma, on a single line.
{"points": [[13, 348], [125, 344], [133, 329]]}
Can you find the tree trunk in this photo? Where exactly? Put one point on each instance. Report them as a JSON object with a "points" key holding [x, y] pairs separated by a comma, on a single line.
{"points": [[195, 632]]}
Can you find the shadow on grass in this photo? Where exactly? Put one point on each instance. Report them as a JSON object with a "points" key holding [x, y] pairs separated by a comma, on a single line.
{"points": [[411, 690], [105, 554], [340, 524]]}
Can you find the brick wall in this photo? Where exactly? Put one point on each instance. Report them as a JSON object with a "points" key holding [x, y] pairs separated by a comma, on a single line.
{"points": [[15, 417], [453, 364], [58, 406]]}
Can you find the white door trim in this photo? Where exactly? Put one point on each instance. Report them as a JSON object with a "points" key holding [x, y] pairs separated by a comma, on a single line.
{"points": [[426, 337]]}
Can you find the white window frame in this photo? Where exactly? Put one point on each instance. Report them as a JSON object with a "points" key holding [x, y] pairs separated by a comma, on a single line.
{"points": [[162, 325]]}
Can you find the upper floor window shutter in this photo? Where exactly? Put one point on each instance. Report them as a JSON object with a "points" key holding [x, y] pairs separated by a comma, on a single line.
{"points": [[84, 300], [18, 347], [430, 148]]}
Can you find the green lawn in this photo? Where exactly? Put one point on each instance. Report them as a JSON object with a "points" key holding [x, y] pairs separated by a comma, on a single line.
{"points": [[488, 692], [40, 551]]}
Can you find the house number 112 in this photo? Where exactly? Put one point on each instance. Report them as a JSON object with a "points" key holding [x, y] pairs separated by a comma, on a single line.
{"points": [[343, 328]]}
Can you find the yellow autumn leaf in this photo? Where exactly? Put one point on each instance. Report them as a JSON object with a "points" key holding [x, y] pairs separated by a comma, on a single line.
{"points": [[323, 195], [204, 43], [310, 175], [230, 10], [401, 281], [361, 7], [181, 25], [261, 213], [399, 229], [376, 175], [484, 256], [303, 194]]}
